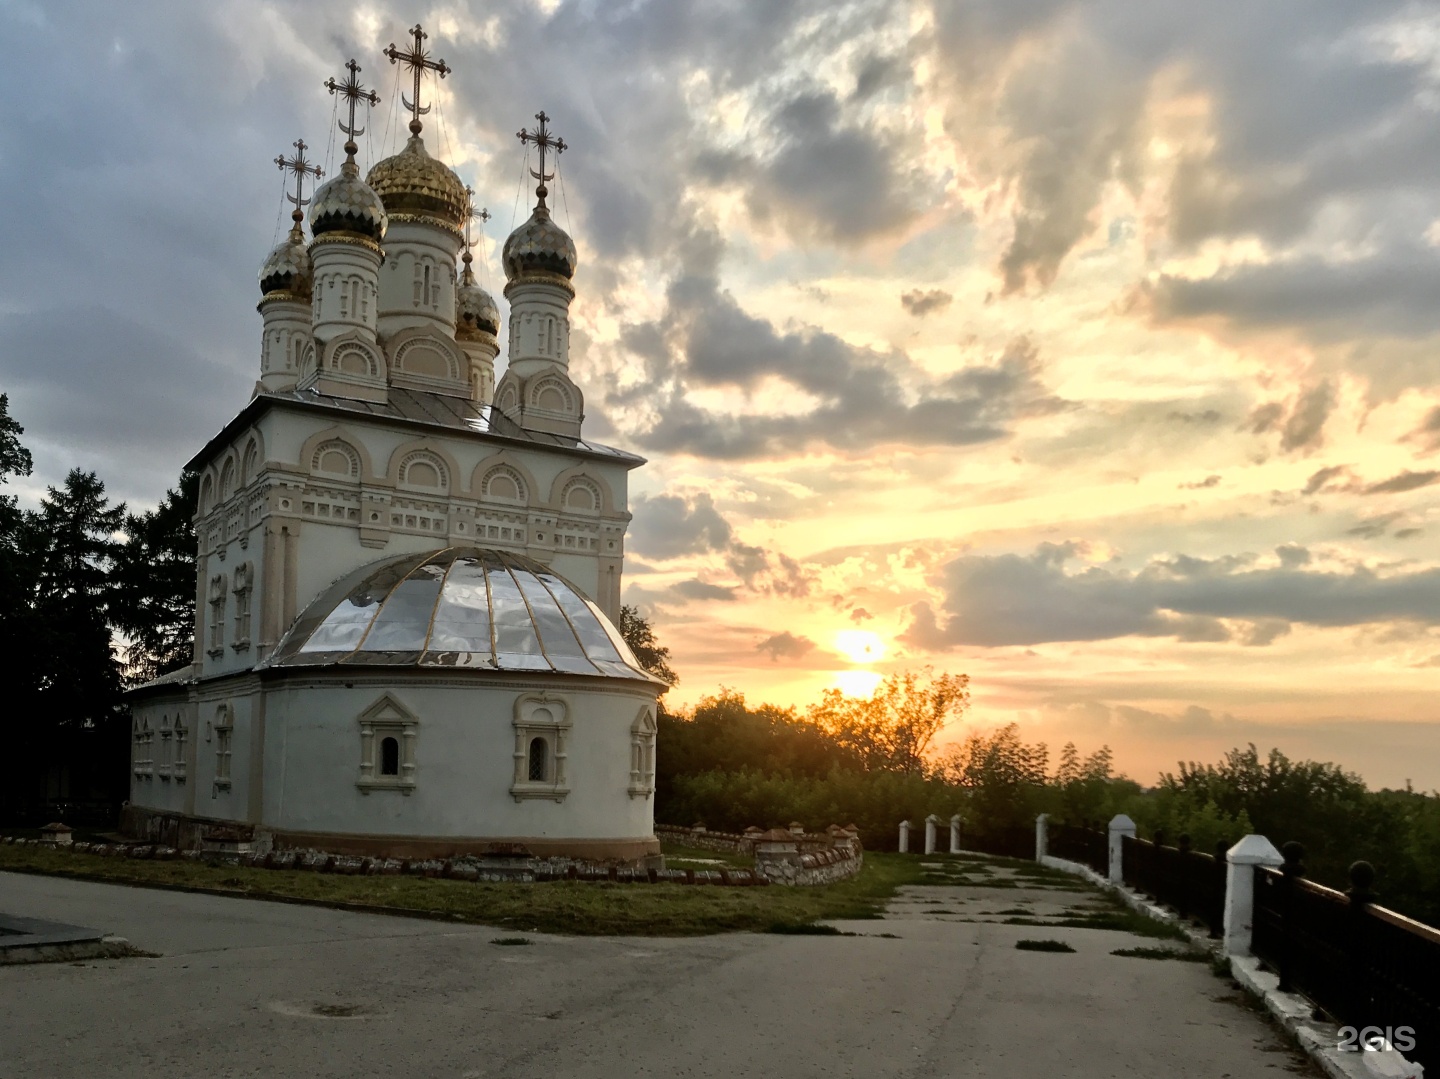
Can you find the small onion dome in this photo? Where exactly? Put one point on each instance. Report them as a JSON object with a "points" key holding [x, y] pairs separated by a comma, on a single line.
{"points": [[287, 268], [539, 246], [475, 310], [414, 184], [347, 204]]}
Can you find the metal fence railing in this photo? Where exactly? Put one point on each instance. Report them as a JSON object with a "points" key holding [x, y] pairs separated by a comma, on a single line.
{"points": [[1087, 846], [1191, 883], [1011, 842], [1368, 967]]}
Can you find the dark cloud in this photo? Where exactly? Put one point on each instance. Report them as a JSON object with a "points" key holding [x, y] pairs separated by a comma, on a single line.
{"points": [[1200, 485], [668, 526], [1405, 481], [699, 590], [920, 302], [1208, 417], [707, 339], [1374, 527], [995, 600], [827, 175], [1324, 480], [1300, 421], [1285, 131], [785, 645], [860, 614]]}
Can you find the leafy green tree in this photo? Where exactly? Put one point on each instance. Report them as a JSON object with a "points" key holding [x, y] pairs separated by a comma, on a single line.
{"points": [[640, 636], [154, 576], [1003, 777], [892, 731]]}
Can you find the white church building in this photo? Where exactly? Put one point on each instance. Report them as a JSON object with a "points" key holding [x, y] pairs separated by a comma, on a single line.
{"points": [[408, 574]]}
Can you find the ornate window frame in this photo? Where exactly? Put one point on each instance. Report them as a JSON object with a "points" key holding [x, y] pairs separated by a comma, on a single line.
{"points": [[215, 630], [144, 767], [224, 729], [387, 717], [642, 754], [545, 716], [244, 589]]}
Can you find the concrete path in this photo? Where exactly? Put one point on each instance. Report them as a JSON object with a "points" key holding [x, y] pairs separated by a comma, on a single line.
{"points": [[246, 988]]}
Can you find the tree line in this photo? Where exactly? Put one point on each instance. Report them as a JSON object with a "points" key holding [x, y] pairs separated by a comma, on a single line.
{"points": [[78, 574], [872, 763]]}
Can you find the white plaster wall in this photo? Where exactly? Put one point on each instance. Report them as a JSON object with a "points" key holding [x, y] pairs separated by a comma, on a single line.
{"points": [[210, 800], [464, 754], [408, 244], [155, 791]]}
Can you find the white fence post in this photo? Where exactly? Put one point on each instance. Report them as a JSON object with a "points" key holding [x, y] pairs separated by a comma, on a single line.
{"points": [[1241, 861], [955, 834], [931, 823], [1042, 836], [1120, 827], [904, 837]]}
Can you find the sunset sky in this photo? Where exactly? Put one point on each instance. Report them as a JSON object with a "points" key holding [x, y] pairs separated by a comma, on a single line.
{"points": [[1086, 348]]}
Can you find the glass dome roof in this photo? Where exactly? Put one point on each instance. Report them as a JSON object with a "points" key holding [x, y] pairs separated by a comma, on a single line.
{"points": [[459, 607]]}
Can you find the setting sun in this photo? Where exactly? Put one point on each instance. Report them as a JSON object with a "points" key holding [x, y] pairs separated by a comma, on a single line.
{"points": [[859, 645]]}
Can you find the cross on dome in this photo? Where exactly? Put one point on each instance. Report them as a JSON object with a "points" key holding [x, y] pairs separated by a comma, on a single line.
{"points": [[471, 214], [542, 139], [301, 167], [353, 93], [419, 62]]}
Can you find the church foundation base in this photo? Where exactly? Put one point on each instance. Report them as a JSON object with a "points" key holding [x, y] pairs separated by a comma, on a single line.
{"points": [[197, 833], [625, 851]]}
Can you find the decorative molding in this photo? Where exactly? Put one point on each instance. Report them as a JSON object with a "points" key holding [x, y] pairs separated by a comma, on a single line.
{"points": [[386, 718], [542, 728]]}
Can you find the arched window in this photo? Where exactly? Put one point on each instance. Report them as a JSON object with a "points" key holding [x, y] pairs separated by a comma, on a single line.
{"points": [[538, 760], [422, 469], [389, 757], [336, 458], [505, 484], [227, 481], [251, 466]]}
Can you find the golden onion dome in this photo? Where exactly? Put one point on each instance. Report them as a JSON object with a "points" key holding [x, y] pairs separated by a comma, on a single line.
{"points": [[287, 268], [539, 246], [347, 204], [412, 184]]}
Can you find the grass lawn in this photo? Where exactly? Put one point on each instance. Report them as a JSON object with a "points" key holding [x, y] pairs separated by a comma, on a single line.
{"points": [[571, 907]]}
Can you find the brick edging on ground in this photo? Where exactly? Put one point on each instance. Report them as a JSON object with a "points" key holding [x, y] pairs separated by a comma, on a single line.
{"points": [[1318, 1038]]}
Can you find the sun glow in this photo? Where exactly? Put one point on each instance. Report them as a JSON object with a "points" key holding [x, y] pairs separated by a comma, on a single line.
{"points": [[860, 645], [856, 683]]}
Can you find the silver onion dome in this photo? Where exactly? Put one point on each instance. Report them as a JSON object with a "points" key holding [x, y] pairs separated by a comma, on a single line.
{"points": [[347, 204], [539, 246], [287, 268], [466, 607], [475, 310]]}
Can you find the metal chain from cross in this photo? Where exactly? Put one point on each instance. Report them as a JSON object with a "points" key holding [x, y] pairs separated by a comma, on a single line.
{"points": [[302, 168], [543, 141], [353, 93], [418, 61], [471, 214]]}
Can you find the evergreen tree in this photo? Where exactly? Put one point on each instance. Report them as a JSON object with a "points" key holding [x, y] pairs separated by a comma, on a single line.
{"points": [[77, 725], [155, 584]]}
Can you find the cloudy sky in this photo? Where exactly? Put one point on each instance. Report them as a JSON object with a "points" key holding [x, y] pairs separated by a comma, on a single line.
{"points": [[1087, 348]]}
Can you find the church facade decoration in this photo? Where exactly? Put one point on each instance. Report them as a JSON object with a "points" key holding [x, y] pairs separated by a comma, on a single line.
{"points": [[406, 592]]}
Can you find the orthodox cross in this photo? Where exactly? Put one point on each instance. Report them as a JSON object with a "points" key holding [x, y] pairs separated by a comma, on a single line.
{"points": [[418, 61], [541, 138], [471, 214], [301, 168], [353, 93]]}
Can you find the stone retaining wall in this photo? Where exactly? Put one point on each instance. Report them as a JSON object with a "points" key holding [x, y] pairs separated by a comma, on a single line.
{"points": [[779, 859], [521, 870]]}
